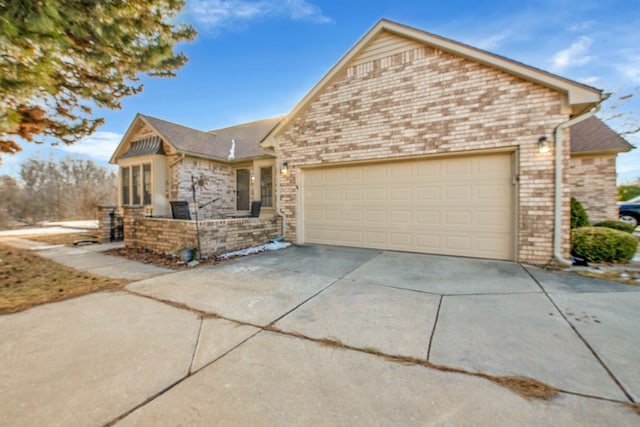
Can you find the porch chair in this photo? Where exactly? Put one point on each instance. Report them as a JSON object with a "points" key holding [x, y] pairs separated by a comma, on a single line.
{"points": [[180, 209], [255, 209]]}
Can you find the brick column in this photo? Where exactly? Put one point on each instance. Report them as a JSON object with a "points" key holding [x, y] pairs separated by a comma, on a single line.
{"points": [[131, 214], [104, 222]]}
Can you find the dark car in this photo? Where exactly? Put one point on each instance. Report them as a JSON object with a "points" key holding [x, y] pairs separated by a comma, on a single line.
{"points": [[630, 214]]}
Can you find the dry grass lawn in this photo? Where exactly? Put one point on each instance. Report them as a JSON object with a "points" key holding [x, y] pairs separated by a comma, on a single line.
{"points": [[27, 279]]}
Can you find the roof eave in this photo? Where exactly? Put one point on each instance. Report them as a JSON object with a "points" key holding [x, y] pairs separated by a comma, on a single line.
{"points": [[602, 152], [224, 160]]}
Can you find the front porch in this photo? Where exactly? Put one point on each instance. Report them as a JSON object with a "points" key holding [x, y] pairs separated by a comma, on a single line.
{"points": [[167, 235]]}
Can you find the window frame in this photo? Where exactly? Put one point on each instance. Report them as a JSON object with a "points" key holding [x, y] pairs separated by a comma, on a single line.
{"points": [[264, 194], [138, 191]]}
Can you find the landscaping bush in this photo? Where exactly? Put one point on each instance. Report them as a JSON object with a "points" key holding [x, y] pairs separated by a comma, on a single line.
{"points": [[599, 244], [616, 225], [579, 217]]}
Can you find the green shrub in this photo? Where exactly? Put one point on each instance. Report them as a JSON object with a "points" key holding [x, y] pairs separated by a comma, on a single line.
{"points": [[579, 217], [616, 225], [599, 244], [626, 192]]}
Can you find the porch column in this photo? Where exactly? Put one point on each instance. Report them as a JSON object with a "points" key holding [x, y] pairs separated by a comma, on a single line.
{"points": [[131, 214]]}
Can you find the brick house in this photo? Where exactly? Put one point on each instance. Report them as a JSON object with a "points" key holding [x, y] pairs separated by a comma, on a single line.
{"points": [[592, 178], [410, 142]]}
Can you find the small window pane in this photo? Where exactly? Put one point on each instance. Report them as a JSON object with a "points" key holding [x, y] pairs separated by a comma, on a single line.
{"points": [[125, 186], [266, 186], [135, 184], [146, 179]]}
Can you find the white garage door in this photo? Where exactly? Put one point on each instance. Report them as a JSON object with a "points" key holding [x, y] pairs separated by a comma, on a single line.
{"points": [[454, 206]]}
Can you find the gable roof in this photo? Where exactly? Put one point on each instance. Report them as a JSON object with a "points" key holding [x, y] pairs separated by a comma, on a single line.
{"points": [[215, 144], [594, 136], [580, 97], [247, 136]]}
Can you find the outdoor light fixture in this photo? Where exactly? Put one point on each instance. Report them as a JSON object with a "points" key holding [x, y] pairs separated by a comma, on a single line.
{"points": [[285, 168], [253, 177], [544, 145]]}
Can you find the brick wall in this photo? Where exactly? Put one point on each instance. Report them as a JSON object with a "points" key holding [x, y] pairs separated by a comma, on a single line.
{"points": [[219, 182], [216, 236], [593, 183], [425, 101], [103, 215]]}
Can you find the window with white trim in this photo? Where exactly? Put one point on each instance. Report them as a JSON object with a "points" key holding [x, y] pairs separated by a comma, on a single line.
{"points": [[136, 184]]}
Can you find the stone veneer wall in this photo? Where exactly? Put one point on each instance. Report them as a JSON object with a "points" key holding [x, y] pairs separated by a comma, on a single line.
{"points": [[425, 101], [219, 182], [165, 235], [593, 183]]}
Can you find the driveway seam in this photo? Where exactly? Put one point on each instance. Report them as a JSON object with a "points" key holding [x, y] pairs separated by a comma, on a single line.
{"points": [[196, 346], [171, 386], [586, 343], [433, 330], [303, 302]]}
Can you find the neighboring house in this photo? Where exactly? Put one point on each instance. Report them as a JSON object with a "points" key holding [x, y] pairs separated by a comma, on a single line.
{"points": [[411, 142], [594, 147]]}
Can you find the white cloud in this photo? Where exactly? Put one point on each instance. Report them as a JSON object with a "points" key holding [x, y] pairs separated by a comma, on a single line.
{"points": [[581, 26], [492, 42], [629, 65], [214, 14], [573, 56], [99, 146], [590, 80]]}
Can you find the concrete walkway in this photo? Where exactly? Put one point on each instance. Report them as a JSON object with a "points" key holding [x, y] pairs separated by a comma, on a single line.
{"points": [[225, 345], [90, 258]]}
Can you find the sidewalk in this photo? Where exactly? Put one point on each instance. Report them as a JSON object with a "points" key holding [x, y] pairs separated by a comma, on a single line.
{"points": [[90, 258]]}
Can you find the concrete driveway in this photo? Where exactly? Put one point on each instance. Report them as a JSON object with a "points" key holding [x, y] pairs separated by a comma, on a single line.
{"points": [[191, 348]]}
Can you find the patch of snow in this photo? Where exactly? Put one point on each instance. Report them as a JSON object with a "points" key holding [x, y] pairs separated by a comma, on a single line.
{"points": [[232, 151], [73, 224], [36, 231], [273, 246]]}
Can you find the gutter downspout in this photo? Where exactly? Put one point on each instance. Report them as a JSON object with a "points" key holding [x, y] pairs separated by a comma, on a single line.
{"points": [[557, 220], [278, 211]]}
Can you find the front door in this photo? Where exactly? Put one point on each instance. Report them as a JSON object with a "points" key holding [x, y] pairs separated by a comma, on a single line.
{"points": [[242, 189]]}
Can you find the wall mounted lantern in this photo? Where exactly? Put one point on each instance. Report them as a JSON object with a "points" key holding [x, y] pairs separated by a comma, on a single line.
{"points": [[285, 168], [544, 145]]}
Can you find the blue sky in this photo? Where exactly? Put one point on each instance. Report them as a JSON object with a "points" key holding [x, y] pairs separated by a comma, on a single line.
{"points": [[257, 59]]}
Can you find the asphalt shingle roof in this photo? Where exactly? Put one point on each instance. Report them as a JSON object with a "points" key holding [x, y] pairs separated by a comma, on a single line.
{"points": [[593, 135], [216, 144]]}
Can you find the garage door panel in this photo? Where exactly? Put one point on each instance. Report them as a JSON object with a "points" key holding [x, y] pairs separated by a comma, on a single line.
{"points": [[424, 217], [401, 217], [354, 215], [459, 192], [459, 217], [376, 239], [376, 216], [401, 194], [428, 242], [376, 194], [428, 193], [493, 192], [428, 169], [459, 167], [400, 240], [452, 206]]}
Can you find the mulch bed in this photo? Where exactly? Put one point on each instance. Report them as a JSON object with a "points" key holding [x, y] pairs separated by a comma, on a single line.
{"points": [[159, 260]]}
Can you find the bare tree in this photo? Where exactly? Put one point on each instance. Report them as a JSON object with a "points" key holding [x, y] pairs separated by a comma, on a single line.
{"points": [[620, 112], [46, 190]]}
